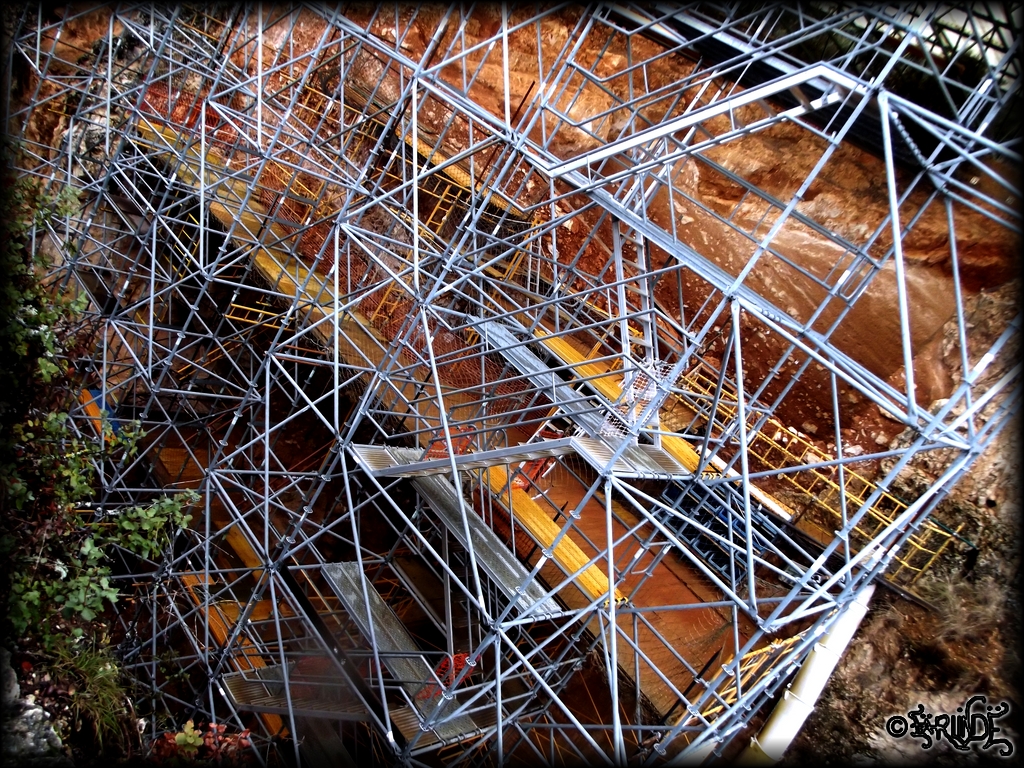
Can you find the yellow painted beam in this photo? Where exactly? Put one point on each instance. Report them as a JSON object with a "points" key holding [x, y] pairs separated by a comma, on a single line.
{"points": [[261, 611], [681, 451], [528, 513], [610, 385], [237, 541]]}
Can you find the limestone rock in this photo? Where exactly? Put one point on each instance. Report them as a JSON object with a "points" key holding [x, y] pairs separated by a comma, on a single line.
{"points": [[9, 691], [27, 734]]}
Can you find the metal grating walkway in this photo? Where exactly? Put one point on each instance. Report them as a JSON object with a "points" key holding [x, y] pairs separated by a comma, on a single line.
{"points": [[392, 462], [262, 690], [398, 649], [500, 565]]}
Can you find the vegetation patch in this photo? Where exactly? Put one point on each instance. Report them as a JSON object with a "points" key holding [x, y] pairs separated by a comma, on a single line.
{"points": [[60, 588]]}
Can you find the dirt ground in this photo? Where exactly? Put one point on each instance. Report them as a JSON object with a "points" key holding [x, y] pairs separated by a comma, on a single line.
{"points": [[967, 644]]}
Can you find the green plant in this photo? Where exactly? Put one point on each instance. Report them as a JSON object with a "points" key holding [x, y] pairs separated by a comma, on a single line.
{"points": [[189, 740], [93, 680], [60, 575], [35, 602], [147, 530], [33, 319], [59, 584], [78, 584], [196, 746]]}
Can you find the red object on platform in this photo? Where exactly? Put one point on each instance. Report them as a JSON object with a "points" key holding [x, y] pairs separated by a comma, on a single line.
{"points": [[446, 671]]}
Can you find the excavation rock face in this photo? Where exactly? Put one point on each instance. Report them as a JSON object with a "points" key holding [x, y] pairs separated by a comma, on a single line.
{"points": [[849, 197]]}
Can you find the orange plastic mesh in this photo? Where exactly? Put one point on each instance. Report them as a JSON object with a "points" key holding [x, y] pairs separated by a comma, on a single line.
{"points": [[461, 442], [181, 110], [446, 672]]}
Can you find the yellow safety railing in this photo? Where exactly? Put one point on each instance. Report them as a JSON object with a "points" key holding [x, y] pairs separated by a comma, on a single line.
{"points": [[776, 446], [753, 666]]}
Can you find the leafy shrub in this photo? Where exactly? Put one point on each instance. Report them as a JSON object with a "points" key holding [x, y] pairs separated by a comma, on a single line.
{"points": [[58, 583], [145, 531], [60, 564], [79, 584], [196, 746], [47, 470]]}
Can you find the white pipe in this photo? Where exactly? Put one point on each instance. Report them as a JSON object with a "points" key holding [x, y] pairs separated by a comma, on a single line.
{"points": [[799, 699]]}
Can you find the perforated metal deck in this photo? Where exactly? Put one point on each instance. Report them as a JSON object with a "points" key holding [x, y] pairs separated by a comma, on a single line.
{"points": [[400, 653]]}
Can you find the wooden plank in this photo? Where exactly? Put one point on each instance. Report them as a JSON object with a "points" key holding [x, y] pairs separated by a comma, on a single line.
{"points": [[591, 579], [237, 541], [221, 630], [261, 611], [608, 384]]}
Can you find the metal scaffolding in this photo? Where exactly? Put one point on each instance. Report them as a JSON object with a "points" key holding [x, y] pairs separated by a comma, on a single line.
{"points": [[494, 445]]}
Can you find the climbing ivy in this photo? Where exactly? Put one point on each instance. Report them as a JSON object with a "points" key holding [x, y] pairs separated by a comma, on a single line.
{"points": [[60, 582], [146, 531], [58, 547]]}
